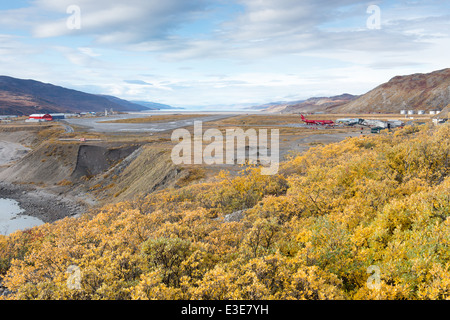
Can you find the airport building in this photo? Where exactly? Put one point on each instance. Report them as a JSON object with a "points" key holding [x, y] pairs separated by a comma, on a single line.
{"points": [[39, 118], [58, 116]]}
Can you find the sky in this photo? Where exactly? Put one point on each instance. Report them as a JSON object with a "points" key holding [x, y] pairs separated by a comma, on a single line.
{"points": [[222, 53]]}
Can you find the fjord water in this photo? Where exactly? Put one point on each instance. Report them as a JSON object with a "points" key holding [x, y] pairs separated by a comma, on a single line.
{"points": [[11, 221]]}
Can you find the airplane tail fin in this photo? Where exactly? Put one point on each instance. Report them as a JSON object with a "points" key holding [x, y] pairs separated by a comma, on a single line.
{"points": [[303, 118]]}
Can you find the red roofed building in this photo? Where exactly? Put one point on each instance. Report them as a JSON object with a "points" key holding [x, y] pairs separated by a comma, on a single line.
{"points": [[41, 117]]}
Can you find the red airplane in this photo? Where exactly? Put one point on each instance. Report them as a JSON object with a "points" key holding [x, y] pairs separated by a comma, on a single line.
{"points": [[321, 122]]}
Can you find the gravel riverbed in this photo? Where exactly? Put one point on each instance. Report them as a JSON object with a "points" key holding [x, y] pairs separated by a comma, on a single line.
{"points": [[43, 204]]}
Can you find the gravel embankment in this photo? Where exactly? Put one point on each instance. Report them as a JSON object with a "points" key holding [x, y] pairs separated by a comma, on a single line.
{"points": [[11, 151]]}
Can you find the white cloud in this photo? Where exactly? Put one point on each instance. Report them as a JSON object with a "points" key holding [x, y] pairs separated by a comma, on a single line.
{"points": [[263, 49], [117, 22], [15, 58], [83, 57], [269, 28]]}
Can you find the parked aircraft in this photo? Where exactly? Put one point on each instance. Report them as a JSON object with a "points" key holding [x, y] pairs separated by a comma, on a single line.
{"points": [[321, 122]]}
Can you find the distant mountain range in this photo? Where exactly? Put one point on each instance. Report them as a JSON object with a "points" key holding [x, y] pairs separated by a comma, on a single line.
{"points": [[274, 105], [24, 97], [318, 104], [429, 91], [154, 105], [125, 105]]}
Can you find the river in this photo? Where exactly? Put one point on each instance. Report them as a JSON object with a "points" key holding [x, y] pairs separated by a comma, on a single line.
{"points": [[11, 220]]}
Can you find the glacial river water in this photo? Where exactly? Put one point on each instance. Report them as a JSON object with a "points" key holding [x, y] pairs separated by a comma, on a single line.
{"points": [[11, 220]]}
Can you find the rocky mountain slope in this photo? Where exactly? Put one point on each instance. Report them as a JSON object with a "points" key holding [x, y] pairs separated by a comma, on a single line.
{"points": [[445, 113], [430, 91], [23, 97]]}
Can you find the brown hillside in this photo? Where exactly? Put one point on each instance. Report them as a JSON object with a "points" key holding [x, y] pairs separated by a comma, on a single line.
{"points": [[427, 92], [324, 104], [23, 97], [24, 104], [445, 113]]}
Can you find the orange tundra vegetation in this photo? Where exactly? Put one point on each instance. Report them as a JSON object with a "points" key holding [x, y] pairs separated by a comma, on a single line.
{"points": [[310, 232]]}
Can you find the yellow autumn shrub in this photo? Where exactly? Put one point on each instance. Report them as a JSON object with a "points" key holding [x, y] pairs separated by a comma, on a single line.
{"points": [[315, 231]]}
